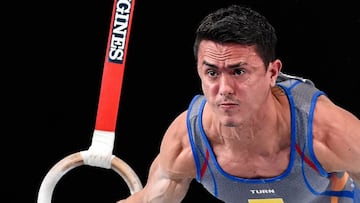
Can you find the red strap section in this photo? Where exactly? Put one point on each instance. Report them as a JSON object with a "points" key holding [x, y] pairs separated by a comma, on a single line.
{"points": [[306, 159], [113, 72], [109, 97], [205, 164]]}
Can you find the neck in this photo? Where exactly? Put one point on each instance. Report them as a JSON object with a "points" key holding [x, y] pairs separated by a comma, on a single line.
{"points": [[266, 132]]}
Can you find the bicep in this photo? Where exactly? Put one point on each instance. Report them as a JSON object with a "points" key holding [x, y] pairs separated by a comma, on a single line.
{"points": [[162, 187], [336, 137], [172, 170]]}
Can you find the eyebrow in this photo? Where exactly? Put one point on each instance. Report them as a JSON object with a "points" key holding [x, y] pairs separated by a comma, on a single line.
{"points": [[209, 64], [231, 66]]}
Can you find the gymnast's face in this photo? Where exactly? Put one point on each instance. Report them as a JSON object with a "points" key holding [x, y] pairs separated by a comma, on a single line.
{"points": [[234, 80]]}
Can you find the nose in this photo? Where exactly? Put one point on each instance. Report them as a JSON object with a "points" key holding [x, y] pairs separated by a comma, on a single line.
{"points": [[226, 85]]}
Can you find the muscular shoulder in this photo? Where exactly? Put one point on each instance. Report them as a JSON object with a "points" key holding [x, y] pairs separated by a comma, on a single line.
{"points": [[336, 134], [175, 151]]}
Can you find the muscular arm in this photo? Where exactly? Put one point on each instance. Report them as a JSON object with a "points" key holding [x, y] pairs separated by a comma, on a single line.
{"points": [[337, 139], [172, 170]]}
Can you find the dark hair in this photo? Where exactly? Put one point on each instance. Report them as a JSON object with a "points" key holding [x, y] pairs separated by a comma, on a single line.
{"points": [[241, 25]]}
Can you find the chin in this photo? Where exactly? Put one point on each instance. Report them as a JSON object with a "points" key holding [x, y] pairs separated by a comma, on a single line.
{"points": [[229, 123]]}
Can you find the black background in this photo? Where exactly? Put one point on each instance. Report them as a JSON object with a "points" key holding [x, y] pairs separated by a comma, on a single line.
{"points": [[53, 75]]}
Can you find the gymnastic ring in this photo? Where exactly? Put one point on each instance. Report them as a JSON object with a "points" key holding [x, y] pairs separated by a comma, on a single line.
{"points": [[75, 160]]}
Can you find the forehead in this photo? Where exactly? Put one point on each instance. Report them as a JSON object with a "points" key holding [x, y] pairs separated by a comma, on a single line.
{"points": [[211, 51]]}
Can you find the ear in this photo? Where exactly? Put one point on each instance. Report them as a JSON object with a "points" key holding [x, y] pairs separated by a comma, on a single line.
{"points": [[274, 70]]}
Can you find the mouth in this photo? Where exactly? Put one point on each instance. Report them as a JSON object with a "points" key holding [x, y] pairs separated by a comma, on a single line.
{"points": [[227, 105]]}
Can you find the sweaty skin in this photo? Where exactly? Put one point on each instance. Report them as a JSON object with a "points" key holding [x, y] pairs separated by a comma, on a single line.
{"points": [[247, 121]]}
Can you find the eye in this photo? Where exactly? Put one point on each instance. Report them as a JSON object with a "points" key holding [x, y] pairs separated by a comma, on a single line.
{"points": [[212, 73], [239, 71]]}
